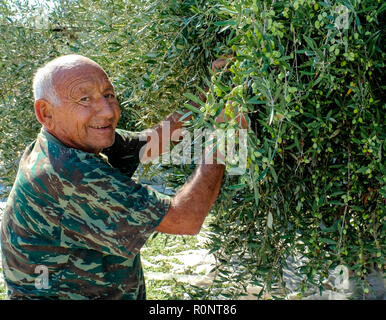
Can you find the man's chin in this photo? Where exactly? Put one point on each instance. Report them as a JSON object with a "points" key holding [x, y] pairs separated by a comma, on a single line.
{"points": [[102, 147], [97, 148]]}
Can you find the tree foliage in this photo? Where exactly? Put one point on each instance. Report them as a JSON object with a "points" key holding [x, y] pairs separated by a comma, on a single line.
{"points": [[307, 74]]}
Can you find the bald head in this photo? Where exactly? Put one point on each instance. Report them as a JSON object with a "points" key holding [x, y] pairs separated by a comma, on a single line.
{"points": [[45, 80]]}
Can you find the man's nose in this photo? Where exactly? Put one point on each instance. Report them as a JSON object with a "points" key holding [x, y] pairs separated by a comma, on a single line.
{"points": [[105, 108]]}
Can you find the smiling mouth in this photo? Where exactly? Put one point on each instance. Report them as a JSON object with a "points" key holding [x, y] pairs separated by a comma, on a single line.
{"points": [[101, 127]]}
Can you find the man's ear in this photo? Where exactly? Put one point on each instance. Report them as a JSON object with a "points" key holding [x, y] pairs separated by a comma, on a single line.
{"points": [[44, 113]]}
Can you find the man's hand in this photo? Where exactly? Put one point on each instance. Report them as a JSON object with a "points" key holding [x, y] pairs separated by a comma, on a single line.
{"points": [[157, 143], [240, 118], [217, 65]]}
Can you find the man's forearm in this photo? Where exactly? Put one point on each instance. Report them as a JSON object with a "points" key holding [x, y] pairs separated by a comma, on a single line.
{"points": [[191, 204], [205, 186], [193, 201]]}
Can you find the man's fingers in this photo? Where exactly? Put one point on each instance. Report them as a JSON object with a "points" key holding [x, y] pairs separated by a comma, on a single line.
{"points": [[220, 118], [218, 64], [240, 118]]}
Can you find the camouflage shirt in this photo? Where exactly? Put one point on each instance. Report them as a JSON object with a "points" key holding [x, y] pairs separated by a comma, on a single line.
{"points": [[75, 221]]}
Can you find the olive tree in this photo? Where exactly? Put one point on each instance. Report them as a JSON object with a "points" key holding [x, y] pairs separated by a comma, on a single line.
{"points": [[306, 74]]}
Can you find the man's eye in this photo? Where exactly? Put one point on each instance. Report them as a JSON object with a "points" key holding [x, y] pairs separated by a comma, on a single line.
{"points": [[109, 96], [84, 99]]}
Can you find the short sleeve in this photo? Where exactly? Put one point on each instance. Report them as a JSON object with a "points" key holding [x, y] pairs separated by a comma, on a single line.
{"points": [[111, 213], [124, 153]]}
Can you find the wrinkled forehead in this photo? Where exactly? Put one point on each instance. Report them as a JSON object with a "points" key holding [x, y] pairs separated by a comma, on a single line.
{"points": [[80, 77]]}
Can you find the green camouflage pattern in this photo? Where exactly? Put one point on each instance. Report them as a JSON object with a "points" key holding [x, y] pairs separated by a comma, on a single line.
{"points": [[80, 216]]}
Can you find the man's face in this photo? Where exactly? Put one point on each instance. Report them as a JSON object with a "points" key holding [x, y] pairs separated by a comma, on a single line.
{"points": [[88, 112]]}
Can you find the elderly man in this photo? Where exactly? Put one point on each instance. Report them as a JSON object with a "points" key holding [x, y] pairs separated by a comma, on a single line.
{"points": [[75, 221]]}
